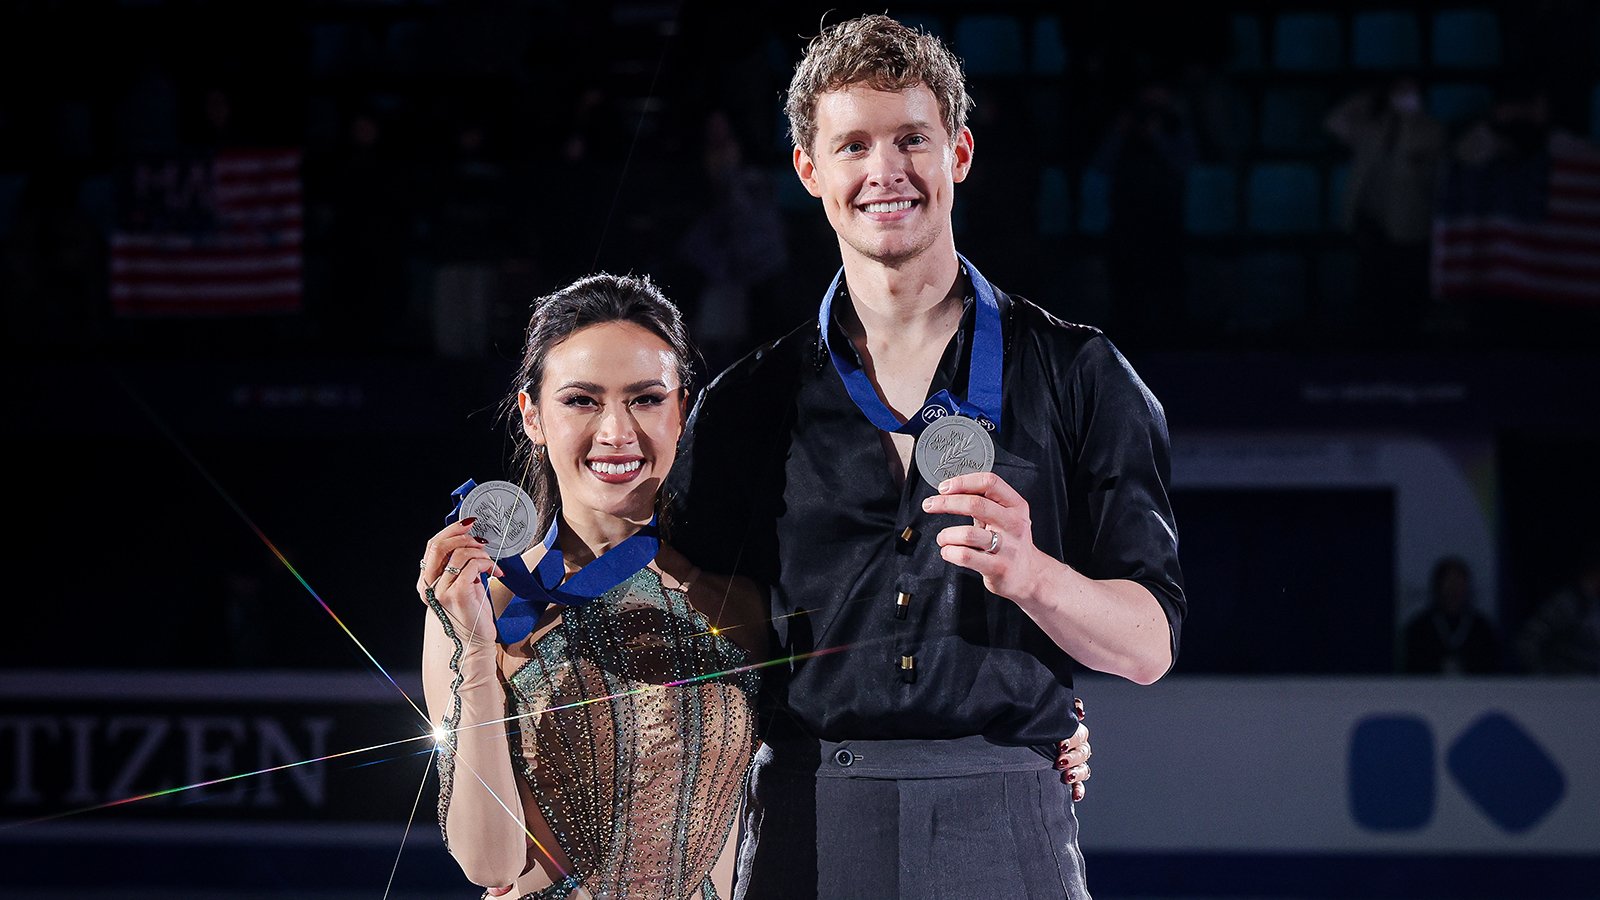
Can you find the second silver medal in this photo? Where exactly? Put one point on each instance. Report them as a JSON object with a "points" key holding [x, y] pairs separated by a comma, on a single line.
{"points": [[951, 446]]}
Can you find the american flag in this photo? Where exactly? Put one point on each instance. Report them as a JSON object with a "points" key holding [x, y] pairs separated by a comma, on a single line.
{"points": [[210, 236], [1528, 230]]}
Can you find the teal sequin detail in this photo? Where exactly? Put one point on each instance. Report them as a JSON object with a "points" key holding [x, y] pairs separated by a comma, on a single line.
{"points": [[640, 729], [446, 753]]}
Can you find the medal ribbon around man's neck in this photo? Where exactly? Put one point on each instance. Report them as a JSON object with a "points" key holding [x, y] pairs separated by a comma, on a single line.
{"points": [[536, 590], [983, 374]]}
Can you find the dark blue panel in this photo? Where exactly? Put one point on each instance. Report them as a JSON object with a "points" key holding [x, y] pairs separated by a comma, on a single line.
{"points": [[1469, 38], [1211, 203], [1506, 773], [1594, 114], [1093, 202], [1246, 52], [990, 45], [1055, 204], [1306, 42], [1049, 50], [1386, 40], [1391, 773], [1342, 877], [1285, 198], [11, 185], [1286, 581]]}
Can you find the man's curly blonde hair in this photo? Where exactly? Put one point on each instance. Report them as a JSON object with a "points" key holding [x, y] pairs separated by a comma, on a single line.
{"points": [[882, 54]]}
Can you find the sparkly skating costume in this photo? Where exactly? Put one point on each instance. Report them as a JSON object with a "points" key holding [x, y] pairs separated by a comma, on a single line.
{"points": [[637, 729]]}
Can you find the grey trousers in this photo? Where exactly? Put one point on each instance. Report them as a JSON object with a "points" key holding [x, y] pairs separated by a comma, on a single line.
{"points": [[916, 820]]}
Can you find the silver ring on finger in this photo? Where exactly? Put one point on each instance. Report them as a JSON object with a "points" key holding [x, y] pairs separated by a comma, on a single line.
{"points": [[994, 542], [452, 570], [422, 564]]}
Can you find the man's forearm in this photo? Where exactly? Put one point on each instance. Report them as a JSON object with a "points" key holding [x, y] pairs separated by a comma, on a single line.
{"points": [[1114, 626]]}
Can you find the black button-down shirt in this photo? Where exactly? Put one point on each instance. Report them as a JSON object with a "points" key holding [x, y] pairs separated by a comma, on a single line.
{"points": [[782, 479]]}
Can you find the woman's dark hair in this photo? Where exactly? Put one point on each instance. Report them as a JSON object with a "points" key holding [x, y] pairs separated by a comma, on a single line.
{"points": [[591, 300]]}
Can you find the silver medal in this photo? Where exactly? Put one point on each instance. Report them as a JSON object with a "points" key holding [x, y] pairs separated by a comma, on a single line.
{"points": [[953, 445], [505, 517]]}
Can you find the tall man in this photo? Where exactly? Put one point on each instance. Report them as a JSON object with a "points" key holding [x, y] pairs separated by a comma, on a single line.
{"points": [[952, 495]]}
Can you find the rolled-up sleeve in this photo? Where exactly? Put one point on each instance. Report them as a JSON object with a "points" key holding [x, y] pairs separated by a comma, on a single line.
{"points": [[1120, 468]]}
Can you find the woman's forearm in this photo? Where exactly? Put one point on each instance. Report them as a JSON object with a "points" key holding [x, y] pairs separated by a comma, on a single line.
{"points": [[480, 808]]}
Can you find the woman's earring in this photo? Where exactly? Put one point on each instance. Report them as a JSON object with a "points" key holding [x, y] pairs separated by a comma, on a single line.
{"points": [[538, 452]]}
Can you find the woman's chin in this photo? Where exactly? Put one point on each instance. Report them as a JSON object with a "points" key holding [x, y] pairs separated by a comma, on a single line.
{"points": [[634, 502]]}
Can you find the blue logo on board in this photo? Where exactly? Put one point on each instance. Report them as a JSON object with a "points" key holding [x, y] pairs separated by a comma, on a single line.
{"points": [[1495, 763]]}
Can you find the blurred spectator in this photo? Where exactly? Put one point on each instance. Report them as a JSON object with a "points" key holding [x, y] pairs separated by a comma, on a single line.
{"points": [[1562, 637], [1388, 201], [1146, 157], [1451, 636], [735, 245]]}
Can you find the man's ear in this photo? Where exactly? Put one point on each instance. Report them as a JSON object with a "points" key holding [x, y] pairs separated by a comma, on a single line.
{"points": [[963, 152], [807, 170]]}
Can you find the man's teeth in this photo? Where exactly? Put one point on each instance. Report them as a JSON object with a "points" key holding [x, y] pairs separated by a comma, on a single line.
{"points": [[606, 468], [888, 207]]}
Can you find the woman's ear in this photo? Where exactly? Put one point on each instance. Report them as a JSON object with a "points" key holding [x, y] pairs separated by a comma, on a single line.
{"points": [[530, 418]]}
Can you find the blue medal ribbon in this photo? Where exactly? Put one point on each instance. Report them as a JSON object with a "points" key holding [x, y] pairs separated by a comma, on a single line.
{"points": [[983, 375], [536, 590]]}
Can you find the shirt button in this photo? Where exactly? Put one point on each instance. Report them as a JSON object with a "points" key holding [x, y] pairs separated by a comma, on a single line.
{"points": [[843, 757], [905, 540], [902, 604], [908, 669]]}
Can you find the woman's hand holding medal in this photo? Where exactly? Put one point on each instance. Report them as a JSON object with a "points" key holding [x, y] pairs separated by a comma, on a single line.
{"points": [[452, 567], [999, 543]]}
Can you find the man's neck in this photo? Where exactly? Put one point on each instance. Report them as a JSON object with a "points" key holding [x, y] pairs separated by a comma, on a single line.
{"points": [[906, 305]]}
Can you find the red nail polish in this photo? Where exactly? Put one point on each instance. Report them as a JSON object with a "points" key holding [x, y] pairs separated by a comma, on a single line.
{"points": [[481, 540], [469, 520]]}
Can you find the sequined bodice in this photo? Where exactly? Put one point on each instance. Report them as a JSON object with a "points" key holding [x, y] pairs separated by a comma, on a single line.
{"points": [[643, 728]]}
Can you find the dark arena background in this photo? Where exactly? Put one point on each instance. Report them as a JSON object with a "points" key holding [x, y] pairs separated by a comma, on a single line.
{"points": [[265, 270]]}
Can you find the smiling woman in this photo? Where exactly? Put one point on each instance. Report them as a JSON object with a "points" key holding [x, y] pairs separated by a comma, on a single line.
{"points": [[630, 714]]}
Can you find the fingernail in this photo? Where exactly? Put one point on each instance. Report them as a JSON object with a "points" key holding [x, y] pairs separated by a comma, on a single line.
{"points": [[481, 540], [469, 520], [927, 504], [944, 487]]}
